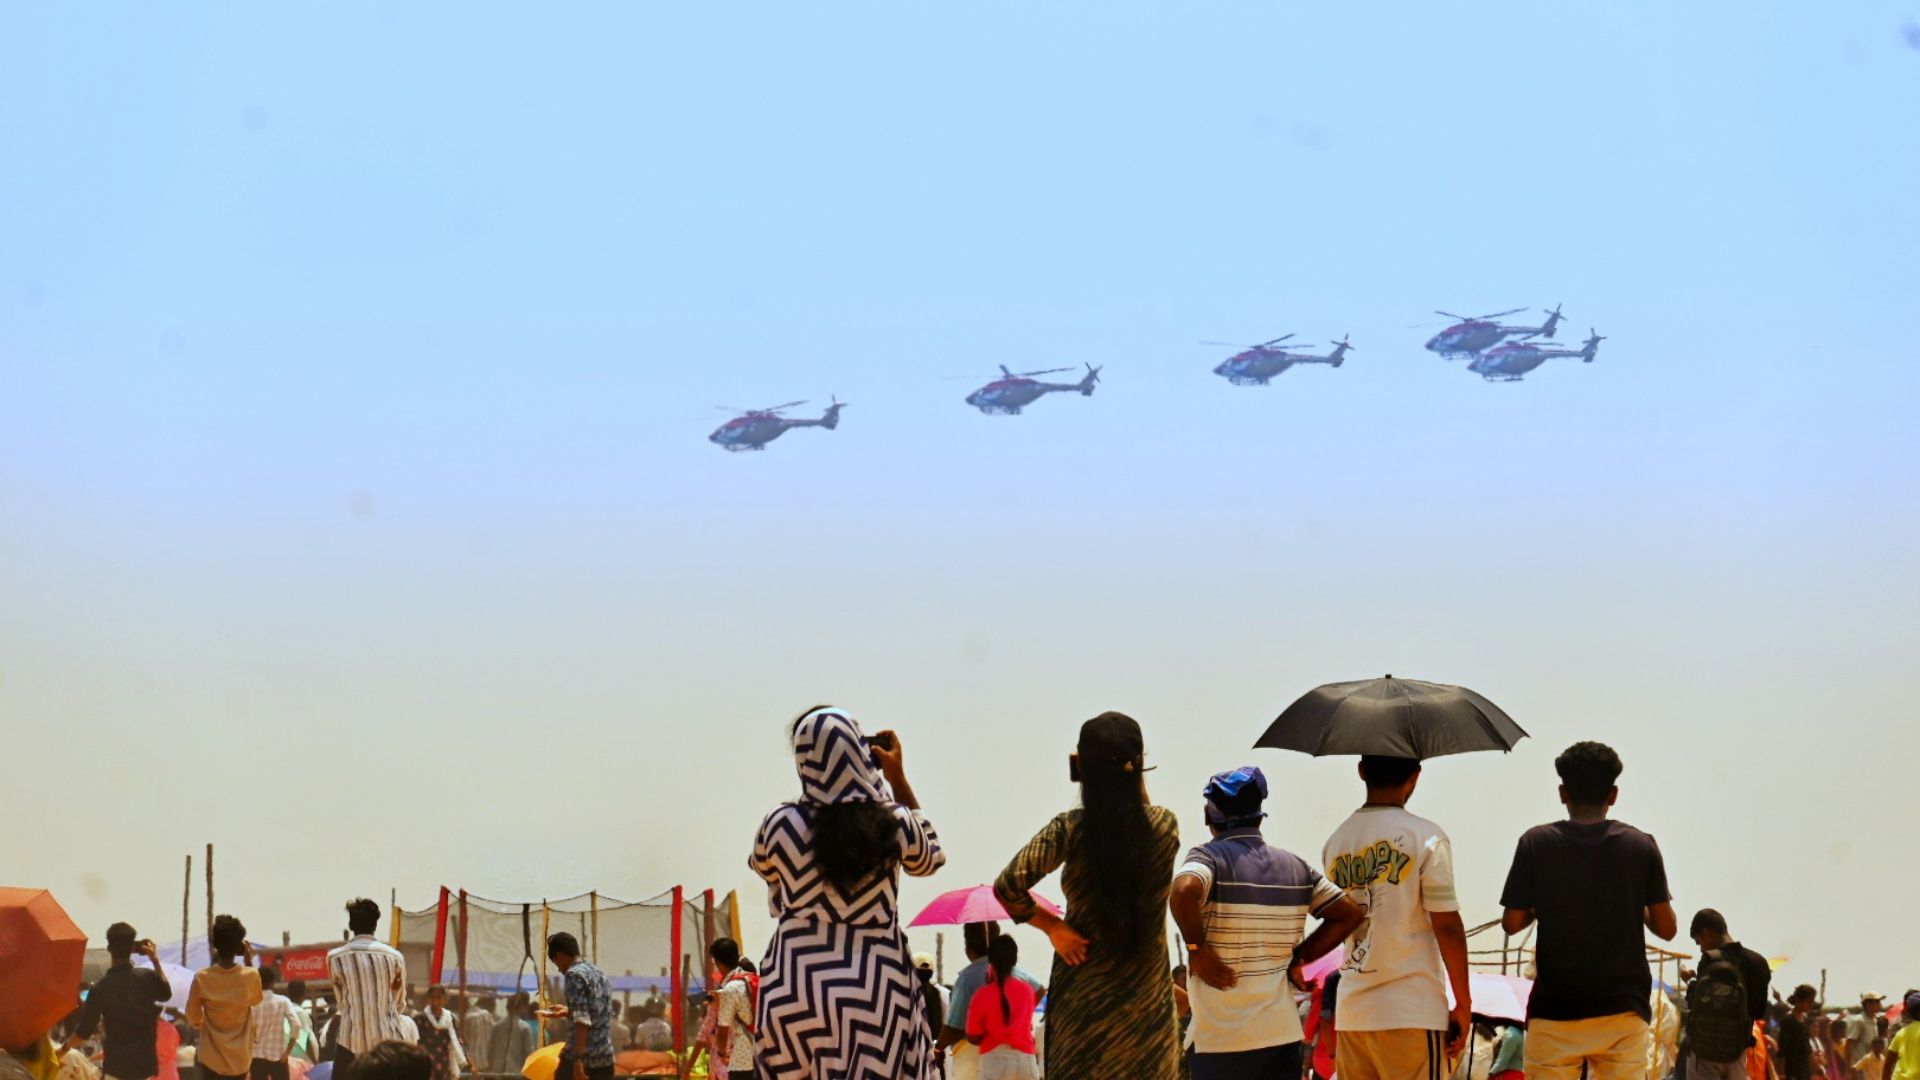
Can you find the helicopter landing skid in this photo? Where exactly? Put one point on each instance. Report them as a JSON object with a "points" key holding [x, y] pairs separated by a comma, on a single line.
{"points": [[999, 410], [1246, 380], [741, 448]]}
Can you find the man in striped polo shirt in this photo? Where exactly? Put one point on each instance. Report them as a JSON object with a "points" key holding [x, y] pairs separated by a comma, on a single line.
{"points": [[1242, 906]]}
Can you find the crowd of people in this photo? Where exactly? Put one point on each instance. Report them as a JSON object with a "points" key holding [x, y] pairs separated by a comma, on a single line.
{"points": [[838, 995], [236, 1024], [841, 997]]}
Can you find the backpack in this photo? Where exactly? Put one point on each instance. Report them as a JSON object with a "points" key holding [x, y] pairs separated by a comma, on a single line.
{"points": [[1719, 1029]]}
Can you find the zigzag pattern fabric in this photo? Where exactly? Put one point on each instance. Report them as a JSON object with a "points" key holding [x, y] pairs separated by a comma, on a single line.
{"points": [[830, 753], [839, 999]]}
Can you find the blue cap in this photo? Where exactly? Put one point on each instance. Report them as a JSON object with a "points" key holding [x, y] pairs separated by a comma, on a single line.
{"points": [[1234, 797]]}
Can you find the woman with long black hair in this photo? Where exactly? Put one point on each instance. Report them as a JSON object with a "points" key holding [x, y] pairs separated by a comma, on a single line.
{"points": [[1110, 1000], [838, 994]]}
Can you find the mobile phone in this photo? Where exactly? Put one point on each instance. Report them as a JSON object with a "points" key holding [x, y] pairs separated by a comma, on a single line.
{"points": [[883, 740], [1073, 767]]}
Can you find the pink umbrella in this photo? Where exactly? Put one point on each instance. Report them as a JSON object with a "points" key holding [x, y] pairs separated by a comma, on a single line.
{"points": [[1315, 973], [978, 904]]}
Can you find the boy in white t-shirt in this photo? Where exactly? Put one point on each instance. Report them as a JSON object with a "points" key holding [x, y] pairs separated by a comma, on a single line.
{"points": [[1392, 1011]]}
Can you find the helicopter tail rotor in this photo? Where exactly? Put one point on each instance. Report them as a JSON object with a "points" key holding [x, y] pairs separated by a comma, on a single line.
{"points": [[1592, 346], [832, 418], [1087, 384]]}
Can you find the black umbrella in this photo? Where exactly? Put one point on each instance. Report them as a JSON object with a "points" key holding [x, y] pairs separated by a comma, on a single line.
{"points": [[1392, 717]]}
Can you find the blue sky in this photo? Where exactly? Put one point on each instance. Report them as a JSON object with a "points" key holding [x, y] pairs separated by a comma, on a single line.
{"points": [[356, 363]]}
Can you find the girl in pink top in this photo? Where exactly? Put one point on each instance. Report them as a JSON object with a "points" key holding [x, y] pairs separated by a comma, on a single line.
{"points": [[1000, 1019]]}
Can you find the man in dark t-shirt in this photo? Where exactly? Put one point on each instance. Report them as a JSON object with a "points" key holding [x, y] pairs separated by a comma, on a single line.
{"points": [[1796, 1045], [1709, 931], [129, 1000], [1592, 884]]}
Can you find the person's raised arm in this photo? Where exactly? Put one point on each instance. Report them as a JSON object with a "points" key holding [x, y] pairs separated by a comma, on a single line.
{"points": [[890, 757], [152, 952]]}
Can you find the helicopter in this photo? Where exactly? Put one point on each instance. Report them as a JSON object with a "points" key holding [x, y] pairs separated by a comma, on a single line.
{"points": [[1010, 393], [1510, 362], [1473, 336], [753, 429], [1256, 364]]}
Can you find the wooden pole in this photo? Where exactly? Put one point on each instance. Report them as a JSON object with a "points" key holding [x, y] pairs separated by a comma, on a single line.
{"points": [[186, 911], [209, 896]]}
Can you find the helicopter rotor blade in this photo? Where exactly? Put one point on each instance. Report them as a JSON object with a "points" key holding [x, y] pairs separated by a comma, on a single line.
{"points": [[1451, 315], [1049, 371], [1275, 341], [788, 405], [1499, 314]]}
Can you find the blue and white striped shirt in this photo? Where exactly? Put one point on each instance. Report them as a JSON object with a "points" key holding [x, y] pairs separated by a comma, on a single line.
{"points": [[1258, 900]]}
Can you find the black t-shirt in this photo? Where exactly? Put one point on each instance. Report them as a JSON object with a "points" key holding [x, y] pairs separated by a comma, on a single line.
{"points": [[1796, 1048], [1588, 885], [129, 999], [1755, 973]]}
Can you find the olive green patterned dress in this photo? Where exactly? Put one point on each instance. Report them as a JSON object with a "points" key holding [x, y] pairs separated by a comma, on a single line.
{"points": [[1111, 1016]]}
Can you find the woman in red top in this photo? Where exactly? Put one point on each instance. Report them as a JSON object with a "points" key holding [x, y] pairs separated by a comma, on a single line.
{"points": [[1000, 1020]]}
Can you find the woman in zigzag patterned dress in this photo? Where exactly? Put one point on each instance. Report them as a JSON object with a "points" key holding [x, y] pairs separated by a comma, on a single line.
{"points": [[839, 998]]}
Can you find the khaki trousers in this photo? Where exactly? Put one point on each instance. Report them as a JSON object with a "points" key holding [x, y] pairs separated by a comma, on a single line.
{"points": [[1398, 1054], [1611, 1047]]}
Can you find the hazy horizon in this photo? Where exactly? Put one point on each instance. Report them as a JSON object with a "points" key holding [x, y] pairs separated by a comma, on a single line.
{"points": [[357, 513]]}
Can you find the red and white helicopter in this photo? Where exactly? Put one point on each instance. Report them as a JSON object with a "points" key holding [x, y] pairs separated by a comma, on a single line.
{"points": [[1255, 364], [1512, 361], [1011, 392], [753, 429], [1473, 336]]}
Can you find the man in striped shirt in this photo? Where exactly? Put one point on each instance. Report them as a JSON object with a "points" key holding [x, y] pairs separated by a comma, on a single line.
{"points": [[276, 1028], [1242, 906], [370, 979]]}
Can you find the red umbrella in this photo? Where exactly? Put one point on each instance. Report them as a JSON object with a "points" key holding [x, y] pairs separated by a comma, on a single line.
{"points": [[40, 956]]}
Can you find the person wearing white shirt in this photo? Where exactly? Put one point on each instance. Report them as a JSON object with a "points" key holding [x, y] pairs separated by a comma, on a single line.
{"points": [[276, 1028], [1392, 1012], [476, 1032]]}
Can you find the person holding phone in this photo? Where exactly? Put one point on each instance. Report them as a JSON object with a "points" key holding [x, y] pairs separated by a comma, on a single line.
{"points": [[128, 999], [1110, 1000], [220, 1005], [837, 986]]}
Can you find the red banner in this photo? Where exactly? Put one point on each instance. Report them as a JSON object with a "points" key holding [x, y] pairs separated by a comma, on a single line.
{"points": [[307, 964]]}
